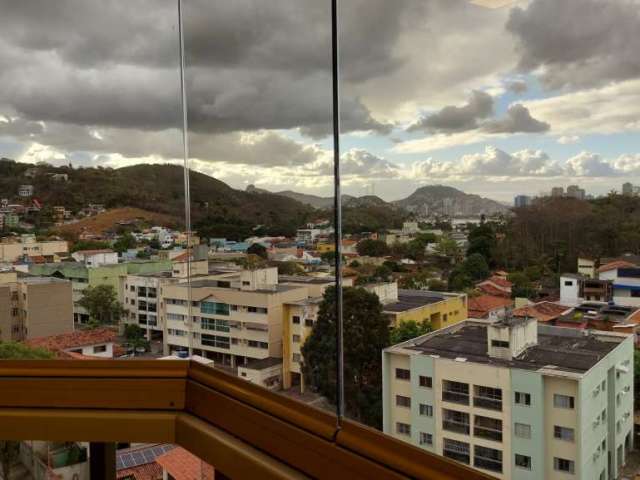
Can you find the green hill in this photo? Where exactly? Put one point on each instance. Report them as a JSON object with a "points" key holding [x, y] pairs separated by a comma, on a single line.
{"points": [[217, 209]]}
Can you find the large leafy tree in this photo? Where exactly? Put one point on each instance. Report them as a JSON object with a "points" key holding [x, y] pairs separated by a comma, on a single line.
{"points": [[366, 333], [102, 304], [10, 450], [372, 248]]}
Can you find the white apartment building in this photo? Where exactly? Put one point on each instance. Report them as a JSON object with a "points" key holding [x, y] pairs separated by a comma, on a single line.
{"points": [[515, 399], [142, 299], [626, 285], [96, 258], [235, 317]]}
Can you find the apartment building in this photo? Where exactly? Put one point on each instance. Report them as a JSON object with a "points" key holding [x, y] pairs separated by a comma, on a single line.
{"points": [[576, 288], [141, 302], [83, 276], [515, 399], [235, 317], [11, 251], [441, 309], [33, 307], [625, 283]]}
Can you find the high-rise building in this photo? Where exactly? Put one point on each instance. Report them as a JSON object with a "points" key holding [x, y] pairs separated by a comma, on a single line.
{"points": [[557, 191], [574, 191], [627, 189], [515, 399], [522, 201]]}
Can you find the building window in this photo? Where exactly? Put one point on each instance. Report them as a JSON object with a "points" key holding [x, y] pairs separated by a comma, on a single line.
{"points": [[563, 433], [296, 357], [523, 398], [568, 283], [487, 397], [403, 428], [563, 465], [487, 458], [296, 320], [100, 349], [403, 374], [256, 344], [403, 401], [456, 450], [455, 421], [455, 392], [295, 338], [426, 438], [522, 430], [214, 308], [308, 322], [635, 293], [563, 401], [426, 382], [489, 428], [500, 343], [523, 461], [426, 410]]}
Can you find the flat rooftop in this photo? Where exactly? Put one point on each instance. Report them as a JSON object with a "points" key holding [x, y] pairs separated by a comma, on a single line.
{"points": [[213, 283], [306, 280], [411, 299], [564, 349]]}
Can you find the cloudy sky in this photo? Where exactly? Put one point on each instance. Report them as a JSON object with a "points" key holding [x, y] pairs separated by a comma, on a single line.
{"points": [[495, 97]]}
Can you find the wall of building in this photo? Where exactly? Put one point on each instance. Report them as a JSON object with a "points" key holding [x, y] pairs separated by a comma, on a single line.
{"points": [[528, 382], [6, 318], [454, 308], [48, 307]]}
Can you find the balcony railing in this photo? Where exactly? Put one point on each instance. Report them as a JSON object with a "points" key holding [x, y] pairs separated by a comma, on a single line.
{"points": [[454, 426], [488, 433], [488, 403], [243, 430], [455, 397]]}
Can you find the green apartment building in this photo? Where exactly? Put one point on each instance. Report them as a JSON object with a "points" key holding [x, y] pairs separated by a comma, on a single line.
{"points": [[515, 399], [83, 276]]}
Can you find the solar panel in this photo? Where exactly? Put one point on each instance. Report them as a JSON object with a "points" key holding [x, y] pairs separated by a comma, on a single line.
{"points": [[142, 456]]}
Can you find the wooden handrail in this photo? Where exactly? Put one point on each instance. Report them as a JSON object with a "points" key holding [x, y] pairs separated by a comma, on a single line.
{"points": [[207, 411]]}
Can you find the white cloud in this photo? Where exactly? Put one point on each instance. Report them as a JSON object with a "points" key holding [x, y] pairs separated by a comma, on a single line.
{"points": [[568, 139]]}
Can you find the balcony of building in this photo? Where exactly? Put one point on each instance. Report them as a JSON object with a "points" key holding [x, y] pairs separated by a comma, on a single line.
{"points": [[240, 428]]}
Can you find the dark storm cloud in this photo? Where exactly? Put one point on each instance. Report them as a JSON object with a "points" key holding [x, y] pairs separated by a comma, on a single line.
{"points": [[578, 42], [517, 120], [457, 119], [251, 64]]}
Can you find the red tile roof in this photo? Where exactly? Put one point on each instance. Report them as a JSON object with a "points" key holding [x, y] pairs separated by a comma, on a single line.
{"points": [[542, 311], [501, 282], [148, 471], [480, 307], [491, 290], [614, 265], [79, 338], [183, 465]]}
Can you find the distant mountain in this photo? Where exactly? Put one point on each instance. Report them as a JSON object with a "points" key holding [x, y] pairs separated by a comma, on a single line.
{"points": [[443, 200], [314, 201], [217, 209]]}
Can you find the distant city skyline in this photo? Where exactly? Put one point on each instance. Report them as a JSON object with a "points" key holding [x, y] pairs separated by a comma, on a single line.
{"points": [[526, 118]]}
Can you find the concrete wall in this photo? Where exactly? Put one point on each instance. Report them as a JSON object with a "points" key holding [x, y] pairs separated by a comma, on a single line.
{"points": [[528, 382], [48, 306]]}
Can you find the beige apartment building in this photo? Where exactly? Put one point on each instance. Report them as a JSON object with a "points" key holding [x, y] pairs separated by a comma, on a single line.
{"points": [[515, 399], [32, 307], [235, 317], [10, 250]]}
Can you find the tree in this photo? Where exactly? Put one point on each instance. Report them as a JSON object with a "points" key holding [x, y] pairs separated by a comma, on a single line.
{"points": [[10, 450], [437, 285], [409, 329], [372, 248], [124, 243], [102, 304], [289, 268], [447, 247], [459, 279], [258, 249], [476, 267], [366, 333], [89, 245], [482, 240]]}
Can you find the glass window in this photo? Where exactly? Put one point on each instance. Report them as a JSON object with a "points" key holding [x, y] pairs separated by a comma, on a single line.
{"points": [[563, 401], [563, 465], [522, 398], [402, 401], [426, 382], [296, 320], [563, 433], [522, 430], [456, 450], [403, 374], [499, 343], [403, 428], [523, 461], [487, 458], [295, 338], [426, 438], [426, 410]]}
